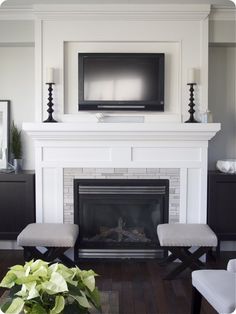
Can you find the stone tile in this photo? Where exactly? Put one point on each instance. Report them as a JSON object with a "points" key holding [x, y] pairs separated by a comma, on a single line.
{"points": [[89, 170], [68, 200], [151, 177], [72, 171], [105, 170], [66, 190], [153, 170], [117, 176], [172, 171], [121, 170], [164, 177], [137, 170], [68, 180], [132, 176]]}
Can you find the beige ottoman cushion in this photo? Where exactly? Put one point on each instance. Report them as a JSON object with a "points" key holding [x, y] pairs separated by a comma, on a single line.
{"points": [[48, 235], [186, 235]]}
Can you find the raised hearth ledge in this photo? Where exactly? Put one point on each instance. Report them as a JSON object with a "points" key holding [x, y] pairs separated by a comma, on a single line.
{"points": [[122, 131], [121, 145]]}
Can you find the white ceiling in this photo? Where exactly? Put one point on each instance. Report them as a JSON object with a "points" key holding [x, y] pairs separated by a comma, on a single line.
{"points": [[29, 3]]}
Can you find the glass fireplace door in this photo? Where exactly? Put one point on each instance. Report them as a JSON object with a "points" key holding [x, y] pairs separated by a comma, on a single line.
{"points": [[115, 215]]}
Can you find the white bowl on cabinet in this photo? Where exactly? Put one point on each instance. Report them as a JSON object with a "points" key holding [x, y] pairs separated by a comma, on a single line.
{"points": [[226, 165]]}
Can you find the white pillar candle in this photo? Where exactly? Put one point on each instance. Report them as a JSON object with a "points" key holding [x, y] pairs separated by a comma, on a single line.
{"points": [[49, 75], [191, 77]]}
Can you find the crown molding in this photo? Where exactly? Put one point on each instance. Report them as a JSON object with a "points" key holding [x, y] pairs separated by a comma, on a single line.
{"points": [[149, 12], [124, 12], [22, 13]]}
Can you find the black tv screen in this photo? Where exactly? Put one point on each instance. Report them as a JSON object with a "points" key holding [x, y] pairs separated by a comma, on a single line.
{"points": [[121, 81]]}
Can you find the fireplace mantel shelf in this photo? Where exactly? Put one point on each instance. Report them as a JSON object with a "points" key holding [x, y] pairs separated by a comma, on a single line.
{"points": [[122, 131]]}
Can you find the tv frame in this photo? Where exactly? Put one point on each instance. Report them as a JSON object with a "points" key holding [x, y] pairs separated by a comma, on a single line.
{"points": [[124, 105]]}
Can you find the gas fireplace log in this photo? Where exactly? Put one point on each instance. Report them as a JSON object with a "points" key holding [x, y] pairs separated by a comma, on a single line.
{"points": [[120, 233], [135, 235]]}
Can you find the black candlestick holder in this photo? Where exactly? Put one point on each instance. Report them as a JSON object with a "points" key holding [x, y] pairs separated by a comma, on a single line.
{"points": [[191, 104], [50, 104]]}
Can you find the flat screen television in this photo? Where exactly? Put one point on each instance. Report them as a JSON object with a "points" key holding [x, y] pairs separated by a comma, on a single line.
{"points": [[121, 81]]}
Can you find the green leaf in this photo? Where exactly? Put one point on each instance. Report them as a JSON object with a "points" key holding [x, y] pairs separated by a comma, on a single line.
{"points": [[16, 306], [89, 282], [66, 272], [9, 280], [82, 300], [53, 268], [73, 290], [37, 309], [23, 293], [32, 290], [5, 306], [94, 297], [59, 305], [55, 285], [42, 271], [38, 264], [74, 308], [26, 279], [16, 146], [17, 267]]}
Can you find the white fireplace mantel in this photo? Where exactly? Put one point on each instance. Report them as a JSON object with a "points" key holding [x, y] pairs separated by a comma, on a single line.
{"points": [[122, 131], [121, 145]]}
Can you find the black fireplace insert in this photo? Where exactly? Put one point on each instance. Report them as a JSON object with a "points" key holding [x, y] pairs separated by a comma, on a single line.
{"points": [[119, 217]]}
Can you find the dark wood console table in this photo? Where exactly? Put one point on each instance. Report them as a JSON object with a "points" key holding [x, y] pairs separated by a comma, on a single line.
{"points": [[17, 203], [222, 205]]}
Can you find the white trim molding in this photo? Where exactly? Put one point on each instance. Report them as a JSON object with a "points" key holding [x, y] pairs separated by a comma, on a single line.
{"points": [[122, 131], [147, 12], [183, 12], [19, 14]]}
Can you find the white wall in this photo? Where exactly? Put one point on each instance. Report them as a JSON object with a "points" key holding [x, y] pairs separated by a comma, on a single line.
{"points": [[222, 85], [222, 31], [17, 77], [222, 102], [17, 85], [16, 32]]}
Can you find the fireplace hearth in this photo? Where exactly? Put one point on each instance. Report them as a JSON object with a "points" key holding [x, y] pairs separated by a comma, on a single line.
{"points": [[118, 218]]}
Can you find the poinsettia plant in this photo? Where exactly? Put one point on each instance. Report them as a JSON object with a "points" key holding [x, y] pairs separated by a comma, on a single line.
{"points": [[40, 288]]}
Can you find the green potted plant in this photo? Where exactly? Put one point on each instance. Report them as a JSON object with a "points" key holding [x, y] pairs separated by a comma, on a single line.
{"points": [[16, 147], [42, 288]]}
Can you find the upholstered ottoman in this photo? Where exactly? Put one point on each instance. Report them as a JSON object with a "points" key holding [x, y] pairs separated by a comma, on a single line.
{"points": [[179, 238], [217, 286], [56, 238]]}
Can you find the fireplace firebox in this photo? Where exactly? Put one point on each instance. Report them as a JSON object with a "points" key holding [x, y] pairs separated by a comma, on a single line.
{"points": [[118, 218]]}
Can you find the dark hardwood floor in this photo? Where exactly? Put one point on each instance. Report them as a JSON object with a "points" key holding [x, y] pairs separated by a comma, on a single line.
{"points": [[139, 284]]}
